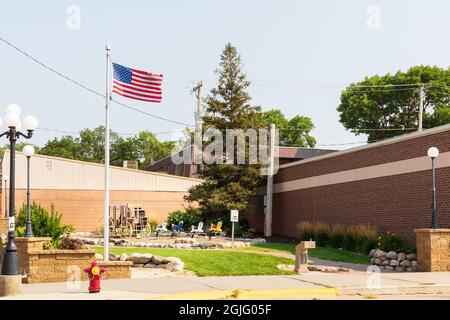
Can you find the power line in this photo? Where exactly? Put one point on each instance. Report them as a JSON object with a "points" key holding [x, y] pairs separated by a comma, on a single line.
{"points": [[120, 134], [85, 87], [368, 129]]}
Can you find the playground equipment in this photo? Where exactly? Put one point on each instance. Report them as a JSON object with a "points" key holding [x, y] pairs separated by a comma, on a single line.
{"points": [[127, 220]]}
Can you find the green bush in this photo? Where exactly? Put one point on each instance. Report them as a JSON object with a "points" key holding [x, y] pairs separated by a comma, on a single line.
{"points": [[190, 216], [391, 242], [43, 223]]}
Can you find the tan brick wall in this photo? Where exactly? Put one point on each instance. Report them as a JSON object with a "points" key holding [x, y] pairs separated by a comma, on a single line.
{"points": [[4, 225], [433, 249], [84, 208], [116, 269]]}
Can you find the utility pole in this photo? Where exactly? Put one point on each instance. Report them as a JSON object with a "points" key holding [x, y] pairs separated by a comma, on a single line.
{"points": [[422, 98], [269, 196], [198, 124]]}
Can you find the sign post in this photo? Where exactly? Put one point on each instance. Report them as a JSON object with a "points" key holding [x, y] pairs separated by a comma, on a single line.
{"points": [[234, 217]]}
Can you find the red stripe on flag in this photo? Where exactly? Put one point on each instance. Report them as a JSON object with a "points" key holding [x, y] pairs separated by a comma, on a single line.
{"points": [[145, 85], [146, 79], [147, 73], [132, 97], [136, 88], [148, 96]]}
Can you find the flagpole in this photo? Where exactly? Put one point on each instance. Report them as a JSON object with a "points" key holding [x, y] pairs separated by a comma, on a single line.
{"points": [[106, 204]]}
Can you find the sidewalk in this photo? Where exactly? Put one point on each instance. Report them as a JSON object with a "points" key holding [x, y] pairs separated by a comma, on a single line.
{"points": [[308, 285]]}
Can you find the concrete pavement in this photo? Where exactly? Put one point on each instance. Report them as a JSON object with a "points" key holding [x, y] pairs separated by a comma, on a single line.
{"points": [[307, 285]]}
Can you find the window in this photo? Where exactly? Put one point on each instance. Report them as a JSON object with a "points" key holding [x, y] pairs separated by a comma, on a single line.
{"points": [[48, 164]]}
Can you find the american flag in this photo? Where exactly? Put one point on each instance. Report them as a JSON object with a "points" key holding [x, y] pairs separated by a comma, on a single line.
{"points": [[137, 84]]}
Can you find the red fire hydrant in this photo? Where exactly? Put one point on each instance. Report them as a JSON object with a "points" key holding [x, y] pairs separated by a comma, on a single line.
{"points": [[94, 273]]}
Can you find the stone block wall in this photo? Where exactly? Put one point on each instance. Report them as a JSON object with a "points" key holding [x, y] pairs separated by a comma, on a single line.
{"points": [[57, 265], [433, 249], [116, 269]]}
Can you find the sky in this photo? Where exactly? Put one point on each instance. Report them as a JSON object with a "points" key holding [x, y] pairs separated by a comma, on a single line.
{"points": [[299, 55]]}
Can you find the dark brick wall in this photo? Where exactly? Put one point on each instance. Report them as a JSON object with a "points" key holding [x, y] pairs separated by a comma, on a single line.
{"points": [[369, 157], [398, 203]]}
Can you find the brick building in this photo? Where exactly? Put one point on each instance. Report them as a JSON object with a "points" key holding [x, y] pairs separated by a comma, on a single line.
{"points": [[387, 183], [76, 189], [191, 170]]}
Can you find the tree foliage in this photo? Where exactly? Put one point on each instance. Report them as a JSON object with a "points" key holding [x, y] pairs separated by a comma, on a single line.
{"points": [[293, 132], [228, 186], [90, 146], [388, 102]]}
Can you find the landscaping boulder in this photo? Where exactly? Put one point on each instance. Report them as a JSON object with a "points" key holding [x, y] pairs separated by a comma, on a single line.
{"points": [[391, 255], [171, 259], [411, 256], [123, 257], [157, 260], [380, 254], [372, 253], [258, 241], [401, 256], [394, 263], [405, 263], [140, 258], [186, 240], [175, 266], [113, 257]]}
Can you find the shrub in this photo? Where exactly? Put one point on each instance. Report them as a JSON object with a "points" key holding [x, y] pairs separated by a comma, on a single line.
{"points": [[190, 216], [43, 223], [152, 222], [306, 229], [391, 242], [70, 244]]}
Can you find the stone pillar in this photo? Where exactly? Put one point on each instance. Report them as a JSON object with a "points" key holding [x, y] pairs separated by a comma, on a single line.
{"points": [[301, 255], [433, 249]]}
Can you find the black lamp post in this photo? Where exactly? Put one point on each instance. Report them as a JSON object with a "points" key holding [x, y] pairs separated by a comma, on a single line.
{"points": [[28, 151], [10, 264], [433, 154], [5, 181]]}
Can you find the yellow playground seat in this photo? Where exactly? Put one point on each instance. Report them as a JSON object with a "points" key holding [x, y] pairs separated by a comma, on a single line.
{"points": [[216, 228]]}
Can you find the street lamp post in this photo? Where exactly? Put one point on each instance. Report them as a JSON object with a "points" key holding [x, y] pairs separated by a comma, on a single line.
{"points": [[28, 151], [10, 264], [433, 153], [5, 181]]}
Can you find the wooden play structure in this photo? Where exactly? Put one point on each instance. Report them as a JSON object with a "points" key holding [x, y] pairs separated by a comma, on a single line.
{"points": [[127, 220]]}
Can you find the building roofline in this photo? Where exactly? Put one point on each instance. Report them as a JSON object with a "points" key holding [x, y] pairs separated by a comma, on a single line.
{"points": [[404, 137], [160, 160], [284, 147], [102, 165]]}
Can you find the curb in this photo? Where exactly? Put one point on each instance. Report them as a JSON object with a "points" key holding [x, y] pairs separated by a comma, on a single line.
{"points": [[250, 294], [420, 289]]}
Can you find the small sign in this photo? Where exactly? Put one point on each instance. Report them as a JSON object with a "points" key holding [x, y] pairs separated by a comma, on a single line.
{"points": [[234, 216], [12, 224]]}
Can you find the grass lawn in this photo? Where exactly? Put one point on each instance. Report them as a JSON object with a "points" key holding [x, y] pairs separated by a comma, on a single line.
{"points": [[216, 262], [319, 253]]}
